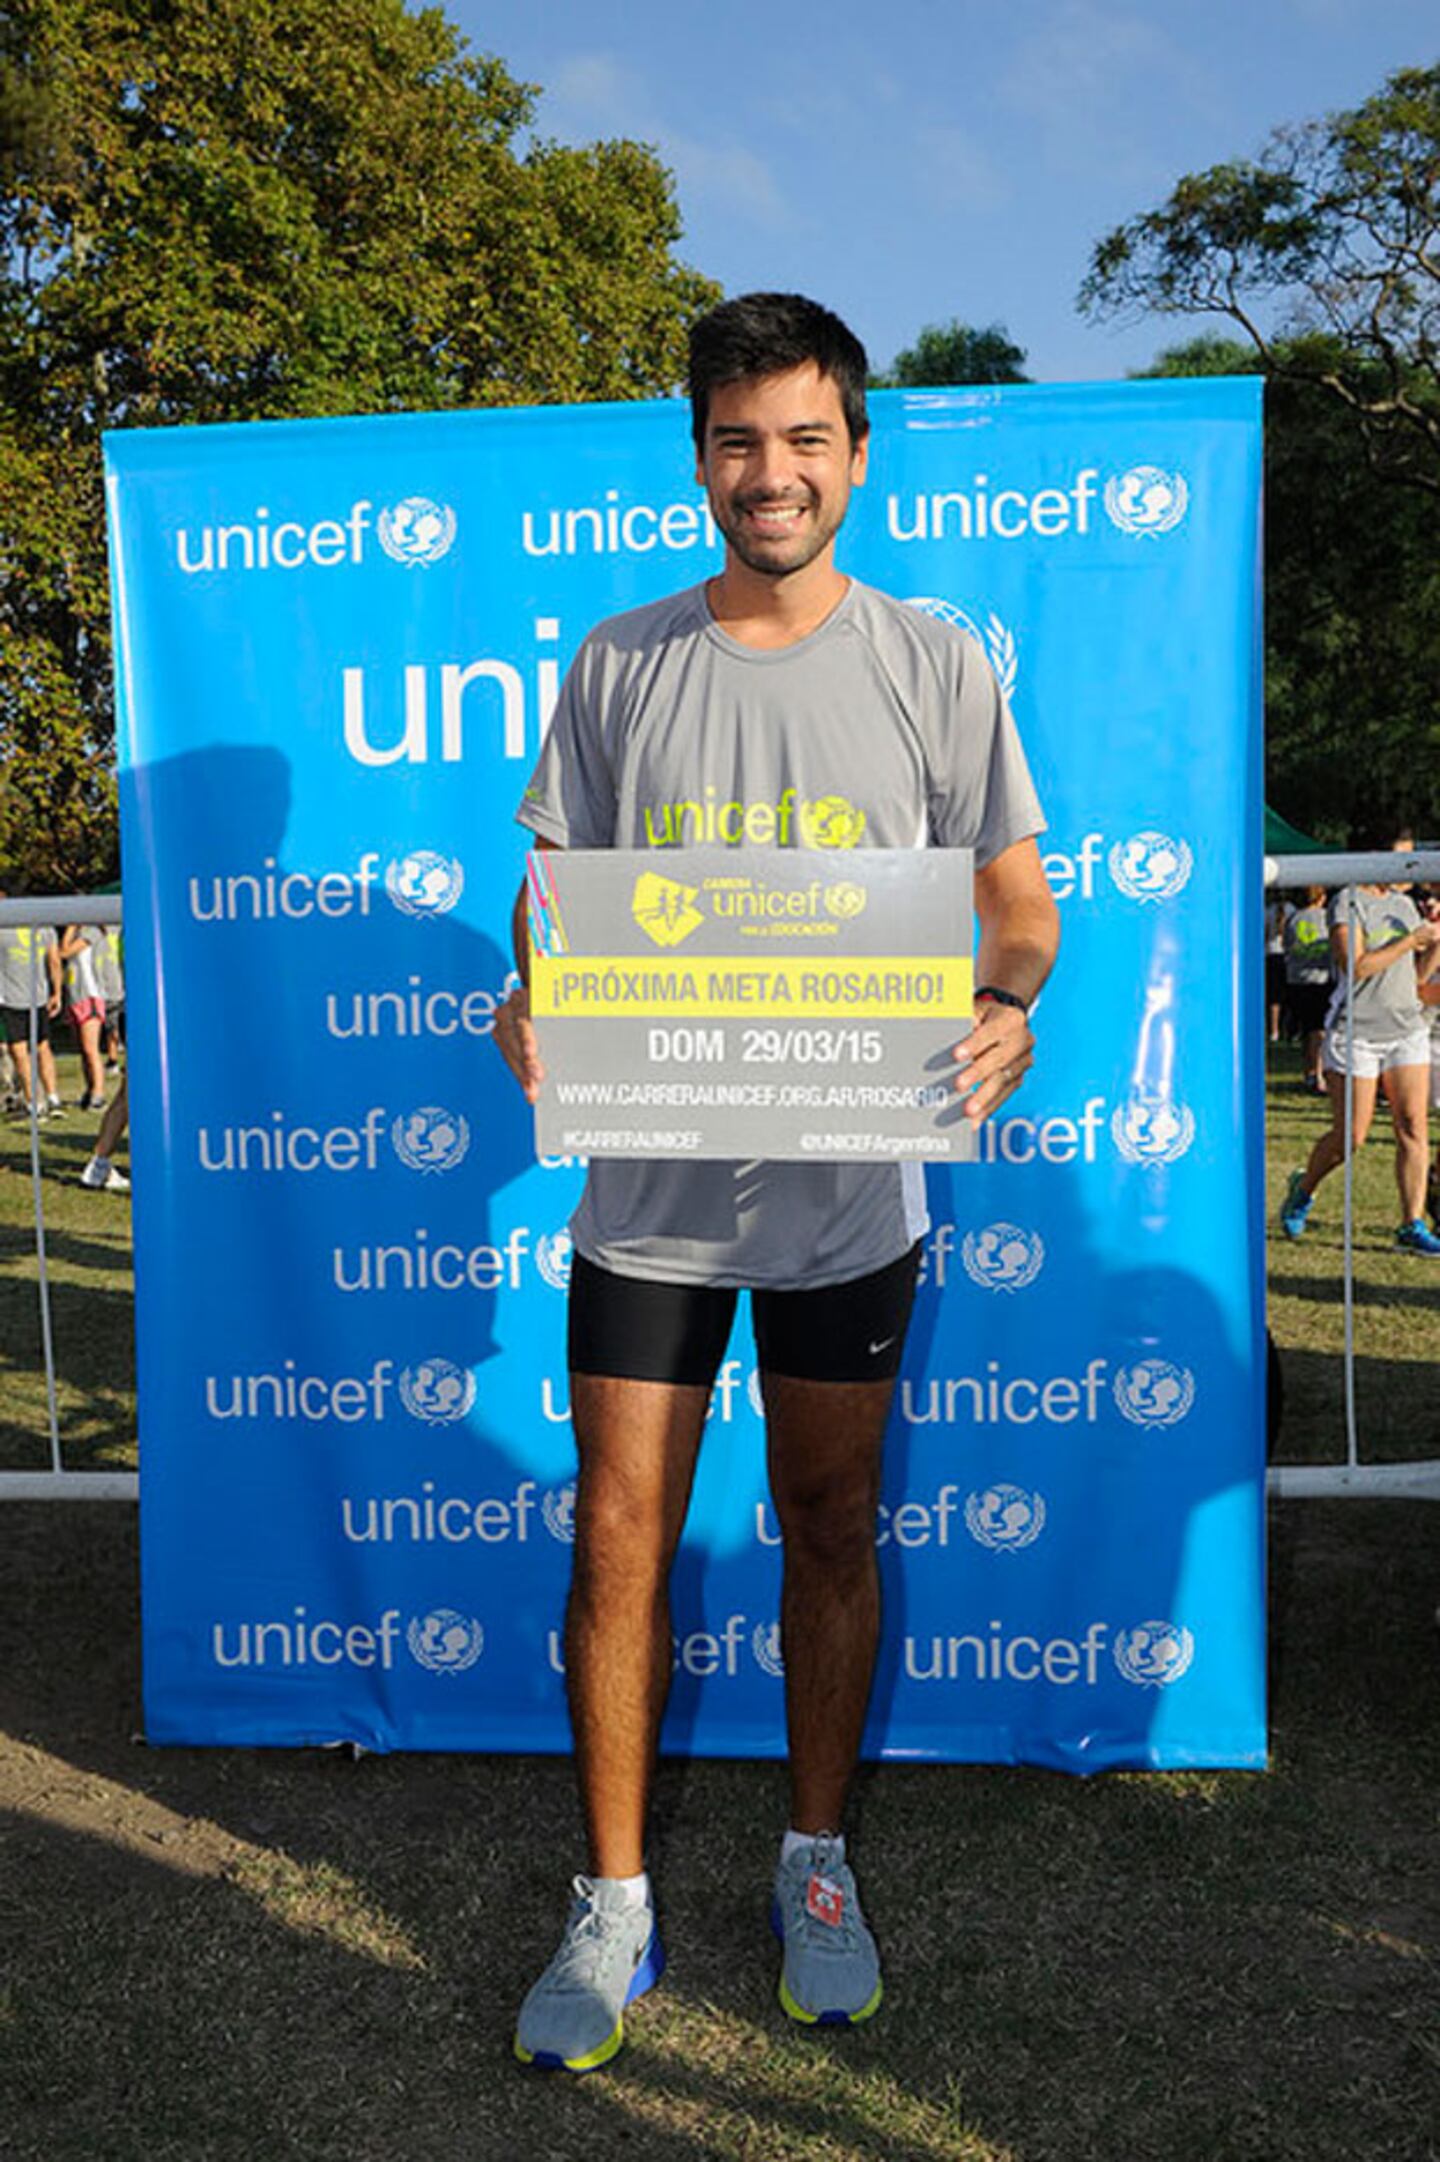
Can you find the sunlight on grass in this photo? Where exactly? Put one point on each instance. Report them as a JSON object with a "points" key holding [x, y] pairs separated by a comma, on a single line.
{"points": [[311, 1898], [736, 2089]]}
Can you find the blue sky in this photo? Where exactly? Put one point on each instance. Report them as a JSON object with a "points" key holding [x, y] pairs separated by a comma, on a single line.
{"points": [[939, 158]]}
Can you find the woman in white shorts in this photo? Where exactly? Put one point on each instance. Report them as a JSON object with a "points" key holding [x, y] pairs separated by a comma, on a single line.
{"points": [[1387, 1045]]}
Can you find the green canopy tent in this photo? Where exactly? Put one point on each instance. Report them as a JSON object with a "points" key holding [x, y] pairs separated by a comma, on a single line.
{"points": [[1283, 839]]}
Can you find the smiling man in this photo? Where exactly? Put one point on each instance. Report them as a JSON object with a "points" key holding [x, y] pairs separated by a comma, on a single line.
{"points": [[784, 687]]}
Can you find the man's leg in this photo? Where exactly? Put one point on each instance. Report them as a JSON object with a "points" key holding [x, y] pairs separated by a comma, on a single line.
{"points": [[824, 1442], [637, 1442]]}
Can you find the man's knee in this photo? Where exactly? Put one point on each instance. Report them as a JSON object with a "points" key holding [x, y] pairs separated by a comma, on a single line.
{"points": [[829, 1522]]}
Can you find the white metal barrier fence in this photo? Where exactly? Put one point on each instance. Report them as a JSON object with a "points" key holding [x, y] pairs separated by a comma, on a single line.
{"points": [[1416, 1478], [1419, 1478], [57, 1483]]}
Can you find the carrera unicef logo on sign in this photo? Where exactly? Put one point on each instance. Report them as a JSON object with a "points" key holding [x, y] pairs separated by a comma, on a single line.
{"points": [[445, 1641], [1149, 1132], [430, 1139], [425, 883], [437, 1391], [416, 531], [1154, 1653], [765, 1644], [1151, 866], [1002, 1257], [554, 1255], [558, 1509], [1154, 1392], [1005, 1518], [996, 641], [1146, 501], [665, 910]]}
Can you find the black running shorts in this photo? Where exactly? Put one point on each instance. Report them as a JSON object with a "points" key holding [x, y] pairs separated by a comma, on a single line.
{"points": [[644, 1331]]}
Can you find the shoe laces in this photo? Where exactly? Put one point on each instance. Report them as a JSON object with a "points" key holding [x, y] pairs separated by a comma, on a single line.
{"points": [[589, 1935]]}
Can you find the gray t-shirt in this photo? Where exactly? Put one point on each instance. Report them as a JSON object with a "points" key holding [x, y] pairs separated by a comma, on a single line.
{"points": [[884, 729], [1307, 945], [1387, 1005], [23, 981]]}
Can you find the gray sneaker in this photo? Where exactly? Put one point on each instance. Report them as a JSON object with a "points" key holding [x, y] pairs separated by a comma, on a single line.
{"points": [[610, 1954], [830, 1975]]}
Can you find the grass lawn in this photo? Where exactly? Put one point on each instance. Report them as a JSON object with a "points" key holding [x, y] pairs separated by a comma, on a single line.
{"points": [[246, 1955]]}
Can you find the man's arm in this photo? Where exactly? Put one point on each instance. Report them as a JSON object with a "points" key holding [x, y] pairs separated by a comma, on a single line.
{"points": [[514, 1031], [1019, 938]]}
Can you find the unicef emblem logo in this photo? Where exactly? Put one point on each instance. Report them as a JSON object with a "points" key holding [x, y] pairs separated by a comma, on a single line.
{"points": [[1152, 1392], [1154, 1653], [437, 1391], [558, 1510], [831, 822], [845, 900], [553, 1256], [1146, 1132], [765, 1644], [424, 883], [1146, 501], [1151, 866], [996, 640], [445, 1642], [430, 1139], [1002, 1257], [416, 531], [1005, 1518]]}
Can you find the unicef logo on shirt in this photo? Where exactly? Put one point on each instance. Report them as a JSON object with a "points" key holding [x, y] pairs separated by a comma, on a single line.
{"points": [[765, 1644], [437, 1391], [416, 531], [1148, 1132], [424, 883], [430, 1139], [1147, 501], [1151, 866], [997, 641], [1005, 1518], [1154, 1653], [553, 1257], [558, 1510], [1002, 1257], [444, 1641], [1153, 1392]]}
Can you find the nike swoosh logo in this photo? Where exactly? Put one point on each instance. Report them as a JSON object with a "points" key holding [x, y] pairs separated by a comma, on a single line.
{"points": [[883, 1345]]}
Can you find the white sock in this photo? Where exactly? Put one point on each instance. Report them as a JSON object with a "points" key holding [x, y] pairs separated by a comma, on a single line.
{"points": [[794, 1840], [636, 1889]]}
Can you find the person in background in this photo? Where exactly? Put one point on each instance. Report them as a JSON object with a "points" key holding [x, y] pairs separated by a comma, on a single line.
{"points": [[100, 1171], [1274, 966], [1307, 980], [110, 967], [27, 989], [1387, 1046], [80, 944]]}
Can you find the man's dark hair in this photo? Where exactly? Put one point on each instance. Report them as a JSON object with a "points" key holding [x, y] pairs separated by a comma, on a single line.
{"points": [[768, 334]]}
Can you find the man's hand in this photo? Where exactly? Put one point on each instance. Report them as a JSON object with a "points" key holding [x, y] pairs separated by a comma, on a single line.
{"points": [[994, 1058], [514, 1032]]}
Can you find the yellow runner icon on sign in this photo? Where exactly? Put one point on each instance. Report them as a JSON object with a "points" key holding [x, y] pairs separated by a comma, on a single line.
{"points": [[664, 909]]}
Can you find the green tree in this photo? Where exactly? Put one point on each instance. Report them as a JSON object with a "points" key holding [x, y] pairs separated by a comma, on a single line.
{"points": [[262, 208], [955, 353], [1333, 234], [1352, 613]]}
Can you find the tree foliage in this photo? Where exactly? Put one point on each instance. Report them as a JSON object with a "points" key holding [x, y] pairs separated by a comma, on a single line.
{"points": [[1333, 234], [262, 208], [1352, 615], [953, 352]]}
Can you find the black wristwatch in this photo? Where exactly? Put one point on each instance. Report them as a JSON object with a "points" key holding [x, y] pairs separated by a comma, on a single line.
{"points": [[1002, 998]]}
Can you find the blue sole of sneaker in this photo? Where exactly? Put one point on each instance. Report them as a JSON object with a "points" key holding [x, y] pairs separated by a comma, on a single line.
{"points": [[646, 1975]]}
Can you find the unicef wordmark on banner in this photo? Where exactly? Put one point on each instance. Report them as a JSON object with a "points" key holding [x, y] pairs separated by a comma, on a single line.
{"points": [[428, 1139], [442, 1641], [1143, 866], [426, 1516], [423, 883], [1150, 1654], [415, 532], [436, 1391], [1143, 502]]}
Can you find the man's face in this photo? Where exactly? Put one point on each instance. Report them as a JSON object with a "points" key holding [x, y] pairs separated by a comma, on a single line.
{"points": [[778, 466]]}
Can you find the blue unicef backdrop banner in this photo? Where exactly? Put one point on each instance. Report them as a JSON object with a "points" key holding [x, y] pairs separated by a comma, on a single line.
{"points": [[339, 645]]}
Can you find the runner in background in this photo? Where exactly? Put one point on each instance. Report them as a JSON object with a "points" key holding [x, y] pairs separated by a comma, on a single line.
{"points": [[30, 984], [1308, 980], [80, 946]]}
